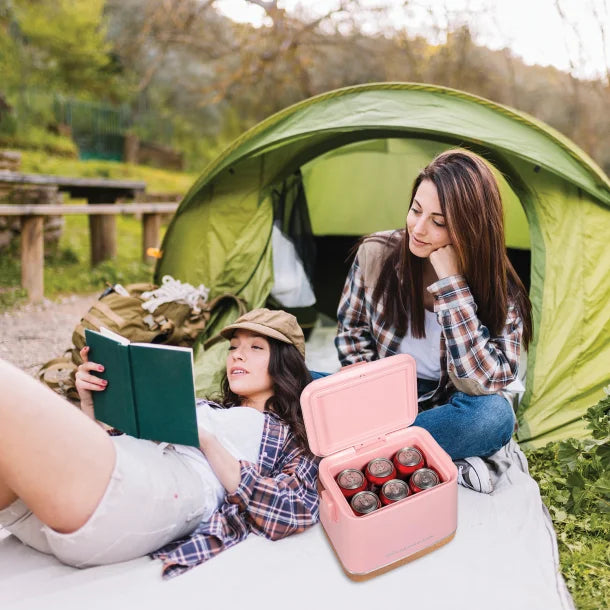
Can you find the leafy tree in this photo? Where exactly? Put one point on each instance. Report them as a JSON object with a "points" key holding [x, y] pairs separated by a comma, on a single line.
{"points": [[62, 46]]}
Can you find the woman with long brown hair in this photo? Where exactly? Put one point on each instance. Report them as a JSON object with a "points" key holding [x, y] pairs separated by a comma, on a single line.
{"points": [[444, 291], [69, 489]]}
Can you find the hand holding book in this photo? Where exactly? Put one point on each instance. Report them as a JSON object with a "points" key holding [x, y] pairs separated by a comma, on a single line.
{"points": [[150, 391], [86, 383]]}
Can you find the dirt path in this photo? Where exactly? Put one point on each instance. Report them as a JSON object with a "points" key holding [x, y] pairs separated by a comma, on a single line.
{"points": [[32, 334]]}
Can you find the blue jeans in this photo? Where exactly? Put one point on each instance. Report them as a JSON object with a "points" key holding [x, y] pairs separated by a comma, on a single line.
{"points": [[468, 425]]}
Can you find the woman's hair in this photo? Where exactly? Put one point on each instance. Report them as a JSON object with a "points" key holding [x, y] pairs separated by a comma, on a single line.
{"points": [[290, 375], [471, 203]]}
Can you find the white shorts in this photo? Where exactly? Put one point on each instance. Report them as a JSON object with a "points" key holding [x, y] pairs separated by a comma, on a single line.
{"points": [[154, 497]]}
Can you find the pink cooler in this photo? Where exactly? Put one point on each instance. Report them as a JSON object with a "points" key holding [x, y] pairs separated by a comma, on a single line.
{"points": [[362, 412]]}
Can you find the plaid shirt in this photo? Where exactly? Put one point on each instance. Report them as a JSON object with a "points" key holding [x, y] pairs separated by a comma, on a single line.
{"points": [[470, 359], [275, 498]]}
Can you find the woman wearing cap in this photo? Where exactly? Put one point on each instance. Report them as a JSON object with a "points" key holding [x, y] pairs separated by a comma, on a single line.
{"points": [[444, 291], [69, 489]]}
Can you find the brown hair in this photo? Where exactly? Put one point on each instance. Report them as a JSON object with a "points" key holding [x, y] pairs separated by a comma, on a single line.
{"points": [[290, 375], [471, 203]]}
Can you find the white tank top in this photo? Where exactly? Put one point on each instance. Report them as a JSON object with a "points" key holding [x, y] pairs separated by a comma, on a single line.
{"points": [[426, 351], [238, 429]]}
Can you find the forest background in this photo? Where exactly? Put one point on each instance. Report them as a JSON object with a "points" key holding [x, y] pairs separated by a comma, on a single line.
{"points": [[183, 75]]}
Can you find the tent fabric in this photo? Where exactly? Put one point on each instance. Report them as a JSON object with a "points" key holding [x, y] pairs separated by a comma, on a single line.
{"points": [[358, 149], [345, 173]]}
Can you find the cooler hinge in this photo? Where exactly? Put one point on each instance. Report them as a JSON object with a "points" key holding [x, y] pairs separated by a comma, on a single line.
{"points": [[371, 444]]}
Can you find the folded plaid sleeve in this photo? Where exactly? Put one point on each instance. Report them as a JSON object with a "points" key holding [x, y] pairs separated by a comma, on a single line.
{"points": [[492, 362], [225, 529], [354, 340], [282, 504]]}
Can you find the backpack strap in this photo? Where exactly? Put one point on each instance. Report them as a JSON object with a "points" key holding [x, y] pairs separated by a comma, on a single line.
{"points": [[228, 296], [109, 313]]}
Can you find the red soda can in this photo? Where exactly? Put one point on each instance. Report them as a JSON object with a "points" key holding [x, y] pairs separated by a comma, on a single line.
{"points": [[379, 470], [351, 481], [365, 502], [407, 460], [423, 479], [393, 490]]}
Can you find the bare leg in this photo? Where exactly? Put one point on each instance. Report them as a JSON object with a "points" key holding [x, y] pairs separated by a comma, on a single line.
{"points": [[7, 497], [56, 459]]}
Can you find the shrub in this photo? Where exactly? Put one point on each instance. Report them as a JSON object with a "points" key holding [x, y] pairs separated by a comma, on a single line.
{"points": [[574, 480]]}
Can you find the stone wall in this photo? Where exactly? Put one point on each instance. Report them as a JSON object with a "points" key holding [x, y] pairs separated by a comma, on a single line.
{"points": [[10, 160], [10, 226]]}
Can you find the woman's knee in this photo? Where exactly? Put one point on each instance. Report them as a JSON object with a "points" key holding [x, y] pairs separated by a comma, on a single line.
{"points": [[491, 417]]}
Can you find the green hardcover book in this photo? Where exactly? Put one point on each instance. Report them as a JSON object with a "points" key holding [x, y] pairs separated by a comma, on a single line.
{"points": [[151, 390]]}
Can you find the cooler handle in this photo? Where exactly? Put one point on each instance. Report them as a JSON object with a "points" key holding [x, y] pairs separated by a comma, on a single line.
{"points": [[328, 506]]}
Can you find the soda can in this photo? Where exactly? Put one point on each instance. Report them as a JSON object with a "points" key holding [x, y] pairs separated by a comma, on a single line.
{"points": [[379, 470], [393, 490], [365, 502], [423, 479], [351, 481], [407, 460]]}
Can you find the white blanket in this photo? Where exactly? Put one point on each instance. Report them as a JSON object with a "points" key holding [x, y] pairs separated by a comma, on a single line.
{"points": [[503, 556]]}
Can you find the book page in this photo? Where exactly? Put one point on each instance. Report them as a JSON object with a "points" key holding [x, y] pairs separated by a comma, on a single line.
{"points": [[163, 346], [112, 335]]}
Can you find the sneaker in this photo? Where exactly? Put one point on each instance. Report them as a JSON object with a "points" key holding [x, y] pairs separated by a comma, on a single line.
{"points": [[474, 474]]}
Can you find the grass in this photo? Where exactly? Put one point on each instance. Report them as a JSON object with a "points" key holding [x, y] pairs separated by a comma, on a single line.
{"points": [[157, 180], [37, 138], [67, 271]]}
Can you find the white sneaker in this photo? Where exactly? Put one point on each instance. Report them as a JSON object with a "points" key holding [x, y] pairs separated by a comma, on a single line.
{"points": [[474, 474]]}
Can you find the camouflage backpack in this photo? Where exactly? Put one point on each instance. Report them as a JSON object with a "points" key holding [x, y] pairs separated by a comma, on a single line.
{"points": [[143, 313]]}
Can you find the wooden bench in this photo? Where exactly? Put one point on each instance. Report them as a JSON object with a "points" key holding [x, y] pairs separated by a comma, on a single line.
{"points": [[32, 242]]}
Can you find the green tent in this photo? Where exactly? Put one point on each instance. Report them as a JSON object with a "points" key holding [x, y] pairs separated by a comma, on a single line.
{"points": [[347, 159]]}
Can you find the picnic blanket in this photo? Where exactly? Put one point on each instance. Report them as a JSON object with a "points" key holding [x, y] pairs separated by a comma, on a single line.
{"points": [[504, 556]]}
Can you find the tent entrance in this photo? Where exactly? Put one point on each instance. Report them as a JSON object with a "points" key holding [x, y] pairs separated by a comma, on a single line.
{"points": [[364, 187]]}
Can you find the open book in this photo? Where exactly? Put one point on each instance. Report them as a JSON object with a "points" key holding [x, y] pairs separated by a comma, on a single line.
{"points": [[151, 389]]}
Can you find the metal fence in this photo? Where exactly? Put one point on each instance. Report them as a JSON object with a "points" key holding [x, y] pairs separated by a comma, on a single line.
{"points": [[97, 128]]}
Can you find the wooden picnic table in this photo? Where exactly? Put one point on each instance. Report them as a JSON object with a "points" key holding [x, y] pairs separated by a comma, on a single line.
{"points": [[96, 191], [101, 208]]}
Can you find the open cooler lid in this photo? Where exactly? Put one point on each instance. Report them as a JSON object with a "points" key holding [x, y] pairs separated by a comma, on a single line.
{"points": [[360, 403]]}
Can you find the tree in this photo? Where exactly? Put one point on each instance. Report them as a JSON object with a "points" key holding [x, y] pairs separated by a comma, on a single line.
{"points": [[62, 46]]}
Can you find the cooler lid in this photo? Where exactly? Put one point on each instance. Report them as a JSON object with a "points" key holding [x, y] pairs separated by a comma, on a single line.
{"points": [[360, 403]]}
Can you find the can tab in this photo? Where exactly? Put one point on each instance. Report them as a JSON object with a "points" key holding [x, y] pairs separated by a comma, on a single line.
{"points": [[380, 441]]}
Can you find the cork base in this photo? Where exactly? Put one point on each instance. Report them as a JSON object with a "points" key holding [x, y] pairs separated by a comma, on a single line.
{"points": [[394, 564]]}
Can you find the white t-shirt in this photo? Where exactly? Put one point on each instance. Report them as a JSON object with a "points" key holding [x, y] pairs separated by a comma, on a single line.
{"points": [[238, 429], [426, 351]]}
